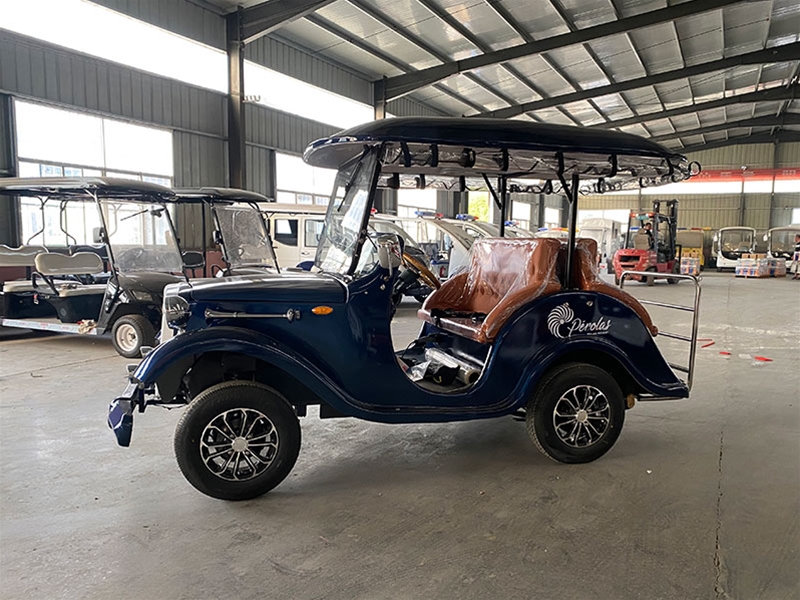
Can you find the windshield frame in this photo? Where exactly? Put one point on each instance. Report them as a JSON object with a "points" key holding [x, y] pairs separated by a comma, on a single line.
{"points": [[368, 166], [101, 202], [244, 207]]}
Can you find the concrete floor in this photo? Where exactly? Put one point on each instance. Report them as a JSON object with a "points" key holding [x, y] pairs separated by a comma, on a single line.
{"points": [[698, 499]]}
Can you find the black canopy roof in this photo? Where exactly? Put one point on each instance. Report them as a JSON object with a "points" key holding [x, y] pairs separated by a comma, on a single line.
{"points": [[106, 187], [460, 147], [220, 194]]}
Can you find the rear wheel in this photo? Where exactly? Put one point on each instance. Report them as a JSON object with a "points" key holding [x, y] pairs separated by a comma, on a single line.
{"points": [[130, 333], [237, 440], [576, 414]]}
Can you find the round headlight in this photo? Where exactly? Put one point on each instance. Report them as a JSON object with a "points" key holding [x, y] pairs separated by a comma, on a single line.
{"points": [[176, 310]]}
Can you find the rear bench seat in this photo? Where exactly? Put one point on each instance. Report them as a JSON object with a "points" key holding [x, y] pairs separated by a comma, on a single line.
{"points": [[52, 265], [19, 257], [503, 275]]}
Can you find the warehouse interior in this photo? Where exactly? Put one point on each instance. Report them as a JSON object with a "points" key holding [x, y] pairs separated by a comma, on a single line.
{"points": [[699, 498]]}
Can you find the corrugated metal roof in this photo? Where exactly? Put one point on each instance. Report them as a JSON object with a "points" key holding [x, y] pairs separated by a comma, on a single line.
{"points": [[402, 37]]}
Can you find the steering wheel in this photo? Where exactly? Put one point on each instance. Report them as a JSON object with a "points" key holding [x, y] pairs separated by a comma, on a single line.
{"points": [[419, 268]]}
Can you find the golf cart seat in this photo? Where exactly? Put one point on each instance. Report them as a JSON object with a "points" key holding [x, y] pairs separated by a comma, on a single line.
{"points": [[503, 275], [52, 265], [16, 258], [588, 280]]}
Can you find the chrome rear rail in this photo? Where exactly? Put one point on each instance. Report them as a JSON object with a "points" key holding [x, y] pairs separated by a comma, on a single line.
{"points": [[694, 309]]}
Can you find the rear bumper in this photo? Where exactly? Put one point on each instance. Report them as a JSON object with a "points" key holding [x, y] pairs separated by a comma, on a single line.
{"points": [[120, 413]]}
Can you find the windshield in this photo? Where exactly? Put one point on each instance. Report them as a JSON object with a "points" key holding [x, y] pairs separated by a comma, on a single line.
{"points": [[141, 237], [736, 240], [782, 241], [244, 237], [340, 241]]}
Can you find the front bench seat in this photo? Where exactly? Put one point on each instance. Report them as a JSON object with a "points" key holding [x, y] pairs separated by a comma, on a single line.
{"points": [[503, 275], [588, 280]]}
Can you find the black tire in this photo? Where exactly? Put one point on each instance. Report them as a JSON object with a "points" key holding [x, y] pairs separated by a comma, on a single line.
{"points": [[263, 469], [130, 332], [675, 270], [556, 388]]}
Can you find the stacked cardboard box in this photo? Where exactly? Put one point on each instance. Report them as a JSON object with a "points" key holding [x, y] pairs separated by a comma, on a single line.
{"points": [[750, 266], [690, 265]]}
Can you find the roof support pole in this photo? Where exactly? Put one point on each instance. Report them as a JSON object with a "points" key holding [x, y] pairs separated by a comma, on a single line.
{"points": [[503, 185], [570, 280], [236, 141]]}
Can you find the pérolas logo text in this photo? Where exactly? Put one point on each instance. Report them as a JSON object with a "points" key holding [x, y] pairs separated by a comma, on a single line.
{"points": [[563, 323]]}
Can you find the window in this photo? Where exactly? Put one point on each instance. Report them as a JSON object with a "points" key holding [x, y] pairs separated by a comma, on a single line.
{"points": [[313, 233], [286, 232], [53, 142], [84, 26], [552, 217], [294, 175], [410, 201]]}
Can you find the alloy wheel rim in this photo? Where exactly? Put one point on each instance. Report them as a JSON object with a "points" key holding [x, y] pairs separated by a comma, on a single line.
{"points": [[126, 337], [239, 444], [581, 416]]}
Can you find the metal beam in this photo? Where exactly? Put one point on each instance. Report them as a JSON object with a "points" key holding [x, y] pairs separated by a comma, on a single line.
{"points": [[770, 95], [237, 177], [387, 58], [779, 137], [404, 84], [766, 121], [785, 53], [262, 18]]}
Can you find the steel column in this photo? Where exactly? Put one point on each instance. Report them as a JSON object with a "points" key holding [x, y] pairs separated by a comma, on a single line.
{"points": [[237, 175]]}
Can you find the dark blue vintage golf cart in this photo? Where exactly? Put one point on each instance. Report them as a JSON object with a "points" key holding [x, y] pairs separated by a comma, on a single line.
{"points": [[528, 327]]}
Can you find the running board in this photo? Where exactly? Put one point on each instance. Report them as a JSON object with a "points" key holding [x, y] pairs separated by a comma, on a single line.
{"points": [[76, 328]]}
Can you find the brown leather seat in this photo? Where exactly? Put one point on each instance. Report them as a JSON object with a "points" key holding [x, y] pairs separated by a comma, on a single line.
{"points": [[586, 272], [504, 274]]}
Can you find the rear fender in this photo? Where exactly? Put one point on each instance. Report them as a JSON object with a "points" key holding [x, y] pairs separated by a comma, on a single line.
{"points": [[166, 365], [659, 379]]}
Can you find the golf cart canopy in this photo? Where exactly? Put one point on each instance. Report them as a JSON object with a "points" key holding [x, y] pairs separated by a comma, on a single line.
{"points": [[72, 187], [222, 195], [444, 153]]}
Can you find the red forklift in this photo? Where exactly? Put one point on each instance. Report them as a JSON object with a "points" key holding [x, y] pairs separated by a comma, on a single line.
{"points": [[650, 244]]}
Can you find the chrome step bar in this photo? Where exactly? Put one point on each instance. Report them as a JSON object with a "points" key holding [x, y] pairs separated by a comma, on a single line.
{"points": [[694, 309]]}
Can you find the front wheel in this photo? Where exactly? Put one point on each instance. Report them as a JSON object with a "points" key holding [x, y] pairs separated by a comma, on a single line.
{"points": [[237, 440], [576, 414], [130, 333]]}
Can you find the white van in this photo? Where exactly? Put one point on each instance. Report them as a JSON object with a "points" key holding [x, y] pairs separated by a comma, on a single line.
{"points": [[295, 231]]}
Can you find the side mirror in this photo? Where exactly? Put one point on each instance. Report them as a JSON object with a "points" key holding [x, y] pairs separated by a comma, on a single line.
{"points": [[98, 236], [390, 251], [193, 260]]}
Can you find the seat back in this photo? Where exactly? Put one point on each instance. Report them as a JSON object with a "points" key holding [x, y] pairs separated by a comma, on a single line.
{"points": [[81, 263], [641, 241], [22, 256], [588, 279]]}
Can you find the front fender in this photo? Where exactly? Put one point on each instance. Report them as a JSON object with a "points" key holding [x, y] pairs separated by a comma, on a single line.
{"points": [[170, 361]]}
